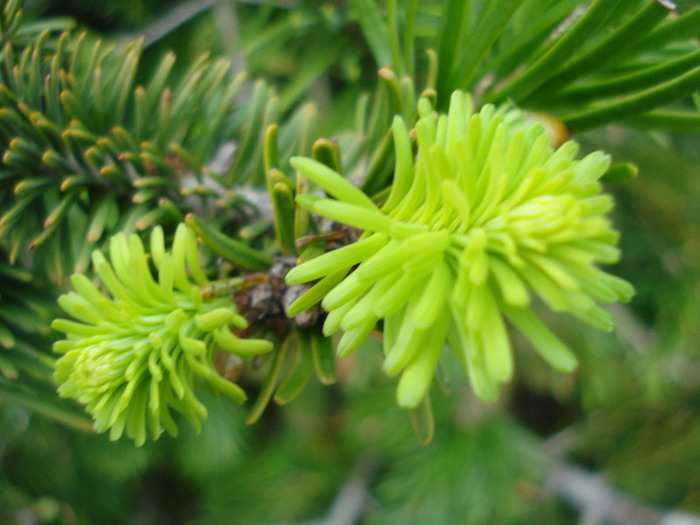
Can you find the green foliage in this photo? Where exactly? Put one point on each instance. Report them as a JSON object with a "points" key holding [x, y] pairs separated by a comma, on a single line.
{"points": [[108, 16], [438, 224], [614, 61], [86, 149], [486, 211], [474, 460], [26, 366], [134, 358]]}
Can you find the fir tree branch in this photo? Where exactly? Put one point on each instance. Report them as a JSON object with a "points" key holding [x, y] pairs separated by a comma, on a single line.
{"points": [[596, 500], [178, 15], [599, 503]]}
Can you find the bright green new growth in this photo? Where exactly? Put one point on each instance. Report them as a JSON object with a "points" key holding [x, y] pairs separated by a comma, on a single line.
{"points": [[134, 357], [486, 213]]}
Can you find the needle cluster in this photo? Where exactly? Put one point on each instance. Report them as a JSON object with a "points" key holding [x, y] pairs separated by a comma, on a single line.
{"points": [[133, 357], [483, 216]]}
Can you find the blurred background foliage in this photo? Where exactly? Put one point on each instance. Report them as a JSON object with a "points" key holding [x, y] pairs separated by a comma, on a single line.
{"points": [[630, 413]]}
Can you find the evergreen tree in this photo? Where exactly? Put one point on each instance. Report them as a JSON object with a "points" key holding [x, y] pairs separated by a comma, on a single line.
{"points": [[182, 239]]}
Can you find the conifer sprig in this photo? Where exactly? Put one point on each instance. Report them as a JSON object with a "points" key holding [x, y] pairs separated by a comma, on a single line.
{"points": [[84, 144], [133, 357], [27, 306], [484, 215]]}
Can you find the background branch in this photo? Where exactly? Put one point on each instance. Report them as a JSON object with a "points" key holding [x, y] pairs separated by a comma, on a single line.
{"points": [[598, 503], [181, 13]]}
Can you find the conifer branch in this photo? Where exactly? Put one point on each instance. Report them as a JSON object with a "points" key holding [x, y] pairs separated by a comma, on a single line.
{"points": [[439, 217], [179, 14], [599, 503]]}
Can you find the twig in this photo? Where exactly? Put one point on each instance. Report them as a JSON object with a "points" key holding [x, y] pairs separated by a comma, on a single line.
{"points": [[642, 339], [178, 15], [599, 503]]}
